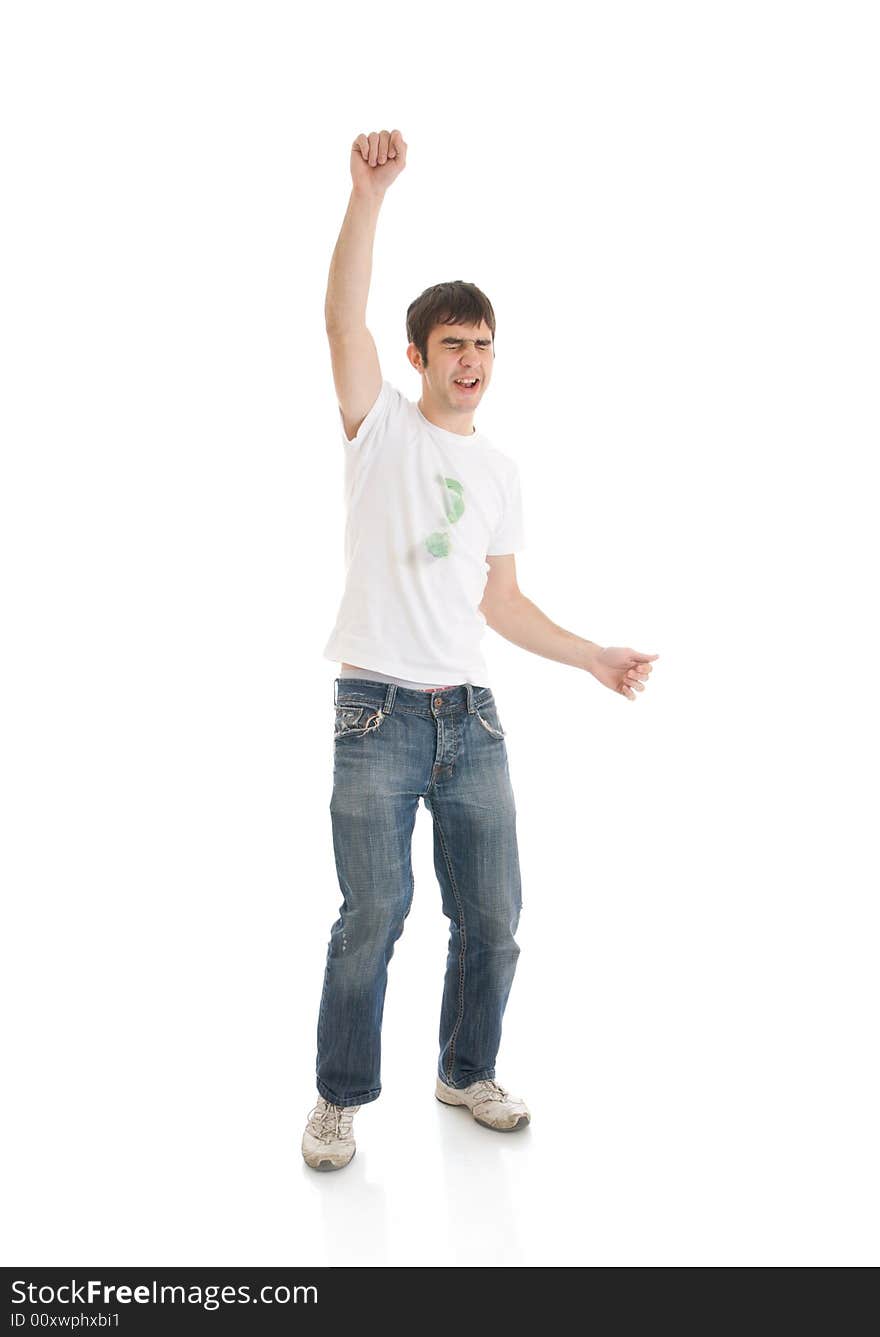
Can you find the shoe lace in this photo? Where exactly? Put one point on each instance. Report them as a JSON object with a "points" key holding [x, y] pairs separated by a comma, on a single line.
{"points": [[329, 1122], [489, 1090]]}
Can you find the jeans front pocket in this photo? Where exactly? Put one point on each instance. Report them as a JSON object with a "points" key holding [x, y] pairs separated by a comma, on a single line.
{"points": [[487, 714], [354, 721]]}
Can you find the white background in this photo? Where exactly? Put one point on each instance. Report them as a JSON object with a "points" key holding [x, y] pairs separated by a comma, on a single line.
{"points": [[674, 209]]}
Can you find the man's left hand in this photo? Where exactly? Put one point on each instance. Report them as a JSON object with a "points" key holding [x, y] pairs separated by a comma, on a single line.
{"points": [[622, 670]]}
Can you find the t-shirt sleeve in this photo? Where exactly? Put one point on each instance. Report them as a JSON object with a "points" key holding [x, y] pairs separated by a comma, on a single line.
{"points": [[510, 535], [373, 423]]}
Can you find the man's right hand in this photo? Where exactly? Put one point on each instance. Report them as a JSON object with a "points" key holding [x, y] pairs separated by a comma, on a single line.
{"points": [[377, 159]]}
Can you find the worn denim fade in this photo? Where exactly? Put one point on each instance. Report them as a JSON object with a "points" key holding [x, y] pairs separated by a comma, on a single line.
{"points": [[392, 747]]}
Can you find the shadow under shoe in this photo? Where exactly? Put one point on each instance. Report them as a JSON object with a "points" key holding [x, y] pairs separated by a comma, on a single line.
{"points": [[328, 1141]]}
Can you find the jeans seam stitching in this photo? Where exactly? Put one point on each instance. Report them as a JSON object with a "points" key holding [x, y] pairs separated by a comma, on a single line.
{"points": [[463, 934]]}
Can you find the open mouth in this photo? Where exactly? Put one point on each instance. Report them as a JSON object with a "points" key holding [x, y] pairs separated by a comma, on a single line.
{"points": [[468, 384]]}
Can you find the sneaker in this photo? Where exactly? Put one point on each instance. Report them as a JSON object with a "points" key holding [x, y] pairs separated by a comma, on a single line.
{"points": [[328, 1142], [488, 1102]]}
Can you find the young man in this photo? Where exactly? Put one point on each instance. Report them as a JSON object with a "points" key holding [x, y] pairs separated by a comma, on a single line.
{"points": [[434, 518]]}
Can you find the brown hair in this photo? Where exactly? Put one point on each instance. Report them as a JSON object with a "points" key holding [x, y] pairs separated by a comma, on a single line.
{"points": [[456, 303]]}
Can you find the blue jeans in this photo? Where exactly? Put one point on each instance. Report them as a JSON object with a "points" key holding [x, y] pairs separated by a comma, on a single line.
{"points": [[393, 746]]}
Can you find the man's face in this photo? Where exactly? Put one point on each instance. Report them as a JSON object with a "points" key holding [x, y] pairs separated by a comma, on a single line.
{"points": [[457, 354]]}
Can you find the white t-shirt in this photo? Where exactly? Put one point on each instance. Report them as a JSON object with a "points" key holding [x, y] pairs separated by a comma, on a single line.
{"points": [[424, 508]]}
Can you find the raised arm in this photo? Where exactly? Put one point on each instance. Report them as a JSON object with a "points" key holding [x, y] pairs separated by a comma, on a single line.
{"points": [[376, 161]]}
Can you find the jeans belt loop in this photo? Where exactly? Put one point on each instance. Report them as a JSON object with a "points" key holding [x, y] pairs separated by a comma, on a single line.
{"points": [[470, 698], [335, 691], [389, 698]]}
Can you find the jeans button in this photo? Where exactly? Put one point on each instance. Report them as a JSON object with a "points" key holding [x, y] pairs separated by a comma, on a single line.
{"points": [[438, 701]]}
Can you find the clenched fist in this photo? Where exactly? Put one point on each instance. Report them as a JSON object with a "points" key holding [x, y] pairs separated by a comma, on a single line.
{"points": [[377, 159]]}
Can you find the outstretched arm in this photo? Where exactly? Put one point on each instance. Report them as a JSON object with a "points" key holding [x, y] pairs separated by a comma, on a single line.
{"points": [[508, 611], [376, 161]]}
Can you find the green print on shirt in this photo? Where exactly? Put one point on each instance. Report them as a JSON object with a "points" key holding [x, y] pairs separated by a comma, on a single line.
{"points": [[439, 544]]}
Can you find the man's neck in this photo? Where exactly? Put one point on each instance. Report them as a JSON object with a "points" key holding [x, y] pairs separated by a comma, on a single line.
{"points": [[450, 422]]}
